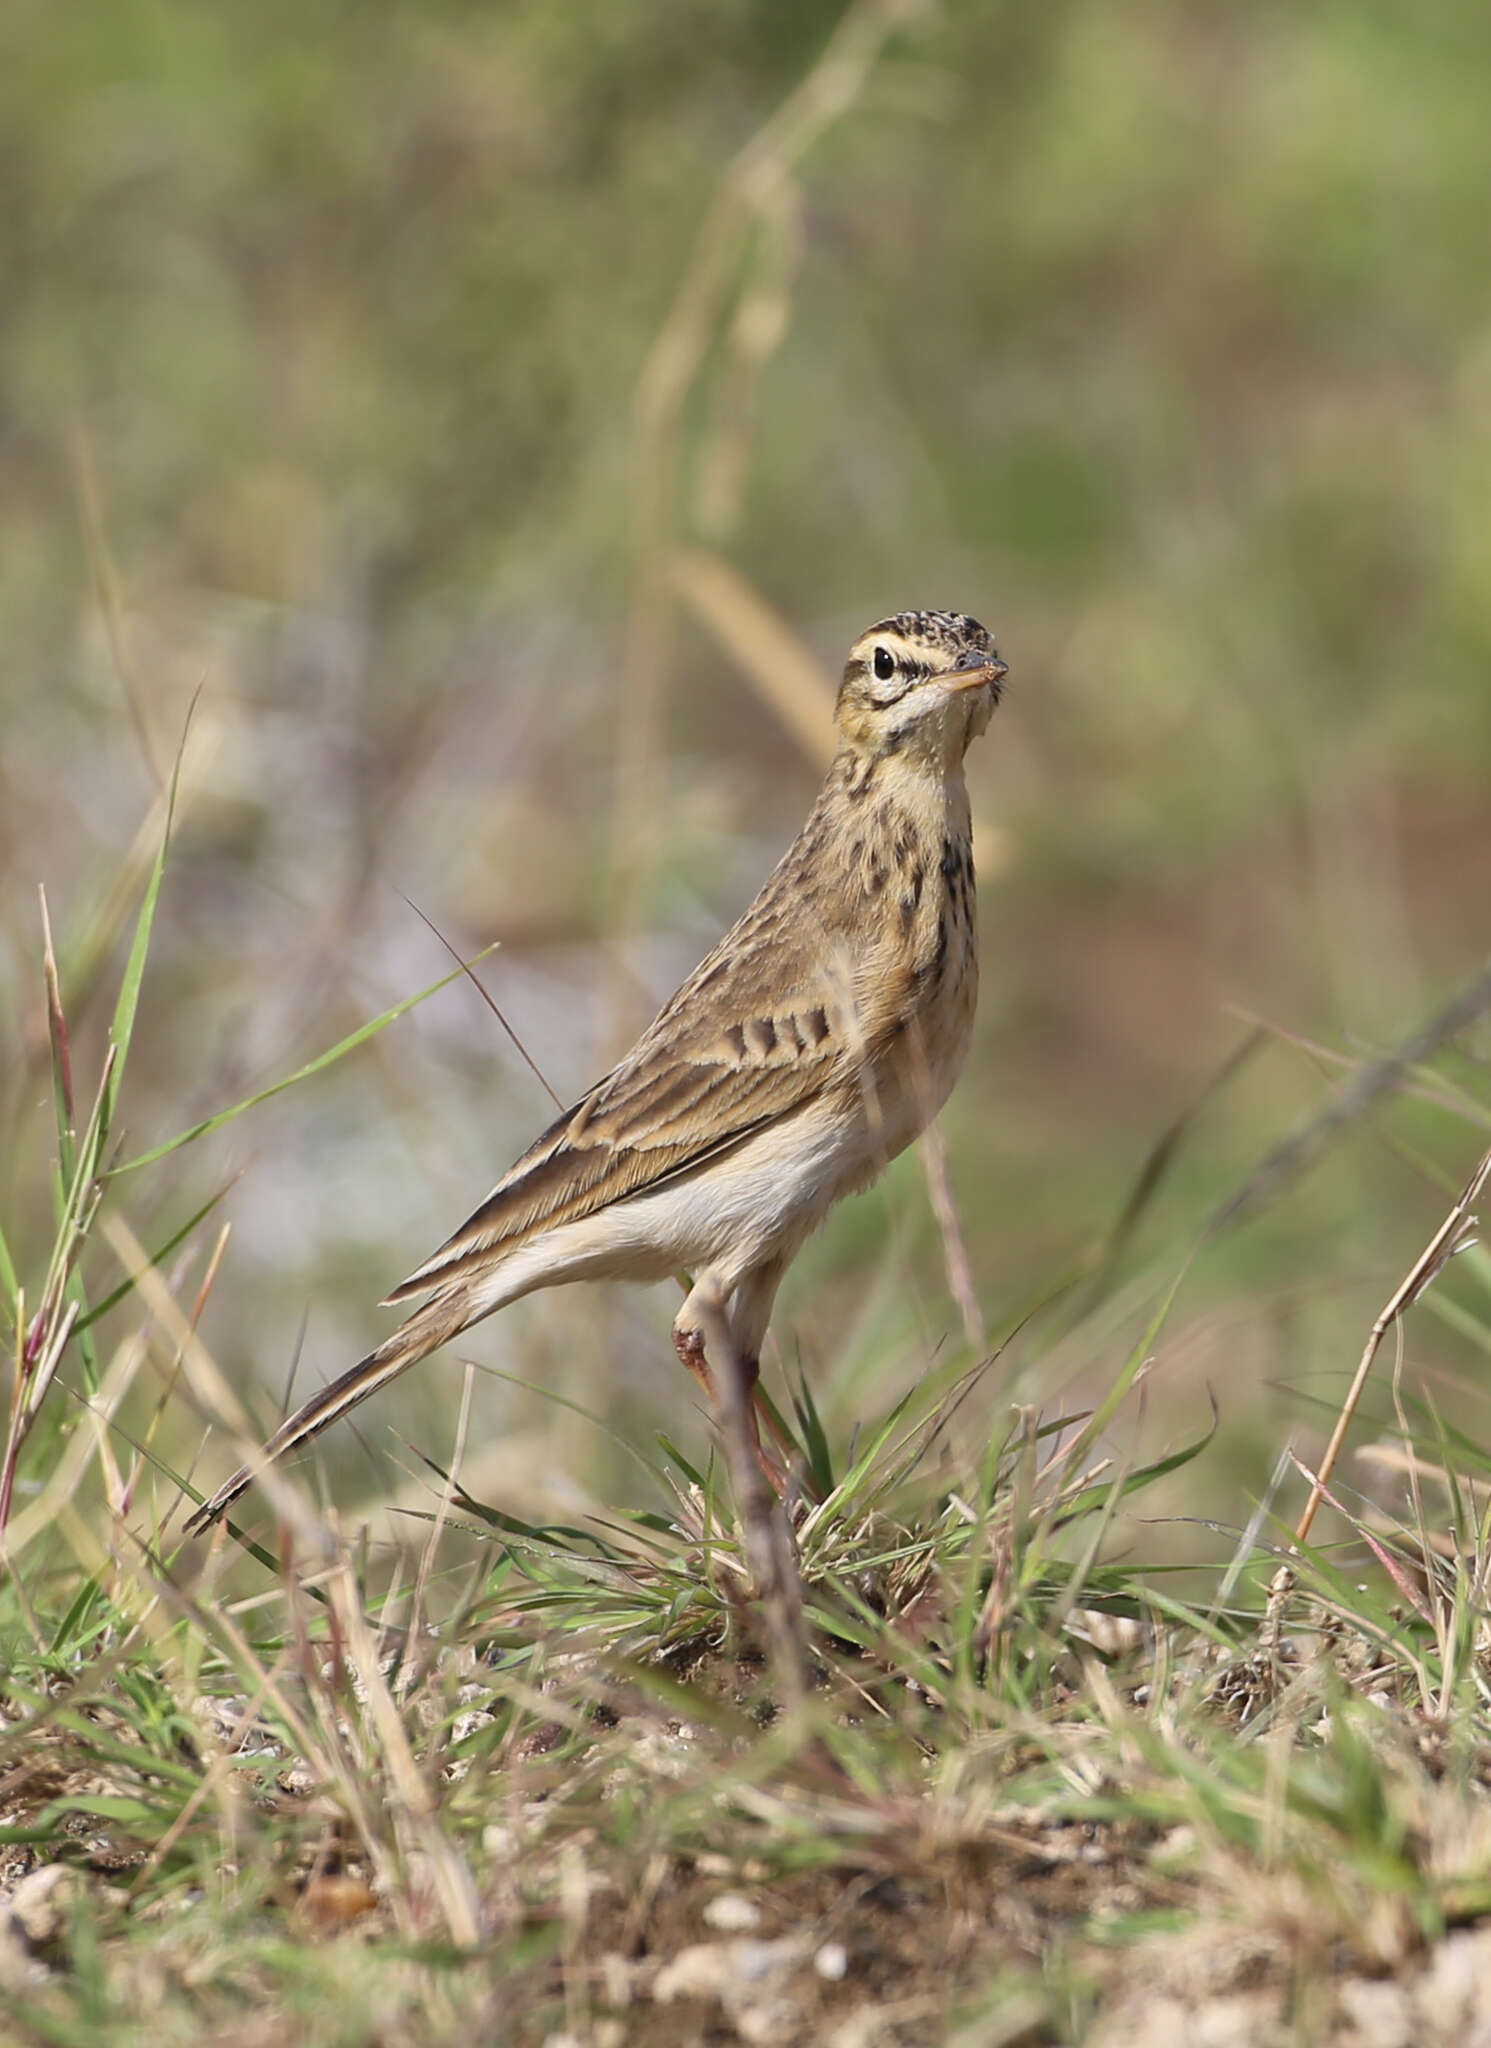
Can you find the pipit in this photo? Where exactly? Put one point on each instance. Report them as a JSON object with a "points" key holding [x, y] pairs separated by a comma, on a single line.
{"points": [[812, 1045]]}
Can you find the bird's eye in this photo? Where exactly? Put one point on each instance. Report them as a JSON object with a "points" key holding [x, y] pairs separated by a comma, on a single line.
{"points": [[884, 664]]}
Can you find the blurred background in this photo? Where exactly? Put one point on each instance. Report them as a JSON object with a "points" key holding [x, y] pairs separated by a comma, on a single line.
{"points": [[500, 419]]}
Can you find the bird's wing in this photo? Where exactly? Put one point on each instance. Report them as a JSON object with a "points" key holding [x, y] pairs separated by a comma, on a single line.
{"points": [[736, 1049]]}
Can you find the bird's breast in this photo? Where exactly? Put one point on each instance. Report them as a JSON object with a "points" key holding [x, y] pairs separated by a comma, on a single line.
{"points": [[918, 982]]}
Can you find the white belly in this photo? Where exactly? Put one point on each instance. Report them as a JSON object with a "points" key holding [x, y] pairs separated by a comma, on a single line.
{"points": [[756, 1204]]}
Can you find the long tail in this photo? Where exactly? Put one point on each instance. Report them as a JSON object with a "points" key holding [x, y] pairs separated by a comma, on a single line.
{"points": [[444, 1316]]}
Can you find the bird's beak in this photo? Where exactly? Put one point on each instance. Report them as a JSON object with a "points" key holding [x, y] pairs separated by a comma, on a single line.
{"points": [[973, 676]]}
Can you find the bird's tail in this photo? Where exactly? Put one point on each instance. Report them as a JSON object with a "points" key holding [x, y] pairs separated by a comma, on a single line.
{"points": [[444, 1316]]}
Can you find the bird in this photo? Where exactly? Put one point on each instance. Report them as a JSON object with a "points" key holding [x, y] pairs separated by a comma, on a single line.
{"points": [[820, 1036]]}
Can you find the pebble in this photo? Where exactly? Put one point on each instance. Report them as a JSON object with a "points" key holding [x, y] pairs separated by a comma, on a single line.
{"points": [[732, 1913], [38, 1905]]}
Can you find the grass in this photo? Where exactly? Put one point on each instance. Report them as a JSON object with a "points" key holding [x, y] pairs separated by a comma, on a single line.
{"points": [[372, 374], [534, 1782]]}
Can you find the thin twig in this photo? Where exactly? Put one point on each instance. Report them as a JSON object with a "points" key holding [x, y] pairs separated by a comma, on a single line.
{"points": [[932, 1151], [1454, 1234], [471, 975]]}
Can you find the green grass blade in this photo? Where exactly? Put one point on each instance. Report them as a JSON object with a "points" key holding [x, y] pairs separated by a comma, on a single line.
{"points": [[1155, 1168], [550, 1534], [316, 1066], [87, 1597], [814, 1436], [57, 1034], [9, 1279], [157, 1258], [122, 1028], [1094, 1497], [1117, 1394], [690, 1472]]}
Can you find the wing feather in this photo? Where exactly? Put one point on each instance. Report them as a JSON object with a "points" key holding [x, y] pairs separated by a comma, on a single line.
{"points": [[676, 1102]]}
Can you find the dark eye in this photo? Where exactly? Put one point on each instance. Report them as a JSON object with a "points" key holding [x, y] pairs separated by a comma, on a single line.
{"points": [[884, 664]]}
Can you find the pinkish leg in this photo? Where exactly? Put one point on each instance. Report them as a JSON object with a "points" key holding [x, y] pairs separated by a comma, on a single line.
{"points": [[689, 1344]]}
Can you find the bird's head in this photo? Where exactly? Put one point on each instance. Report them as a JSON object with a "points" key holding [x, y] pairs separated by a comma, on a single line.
{"points": [[921, 684]]}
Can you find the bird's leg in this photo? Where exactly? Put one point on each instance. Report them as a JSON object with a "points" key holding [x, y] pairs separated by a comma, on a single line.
{"points": [[766, 1537], [773, 1470], [773, 1466], [749, 1314], [689, 1344]]}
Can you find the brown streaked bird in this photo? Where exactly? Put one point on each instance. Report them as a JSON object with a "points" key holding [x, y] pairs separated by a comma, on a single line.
{"points": [[820, 1036]]}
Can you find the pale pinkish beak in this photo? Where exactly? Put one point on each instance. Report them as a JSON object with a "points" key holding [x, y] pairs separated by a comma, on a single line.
{"points": [[991, 671]]}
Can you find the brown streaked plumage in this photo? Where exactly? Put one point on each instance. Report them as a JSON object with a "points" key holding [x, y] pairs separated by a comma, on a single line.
{"points": [[817, 1040]]}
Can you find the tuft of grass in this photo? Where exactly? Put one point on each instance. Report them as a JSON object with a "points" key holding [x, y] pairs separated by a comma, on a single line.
{"points": [[526, 1776]]}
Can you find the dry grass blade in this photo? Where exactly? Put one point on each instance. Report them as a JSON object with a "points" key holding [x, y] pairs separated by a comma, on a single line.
{"points": [[789, 679], [932, 1152], [476, 982], [1408, 1592], [1351, 1100], [105, 575], [67, 1474], [56, 1020], [1453, 1235], [211, 1386], [415, 1809]]}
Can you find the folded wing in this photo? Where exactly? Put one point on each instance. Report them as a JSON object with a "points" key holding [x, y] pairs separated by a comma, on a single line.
{"points": [[674, 1104]]}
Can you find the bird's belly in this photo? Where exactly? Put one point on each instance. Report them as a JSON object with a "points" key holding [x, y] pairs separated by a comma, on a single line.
{"points": [[758, 1202], [755, 1204]]}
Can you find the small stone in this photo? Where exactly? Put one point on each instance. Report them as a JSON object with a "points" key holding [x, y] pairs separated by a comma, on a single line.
{"points": [[1450, 1996], [19, 1969], [38, 1905], [863, 2028], [700, 1971], [732, 1913], [768, 2025], [740, 1974], [1378, 2012], [832, 1962], [755, 1962], [618, 1978]]}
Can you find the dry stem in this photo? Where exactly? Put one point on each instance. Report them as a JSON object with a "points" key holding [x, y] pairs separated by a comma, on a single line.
{"points": [[1454, 1234]]}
